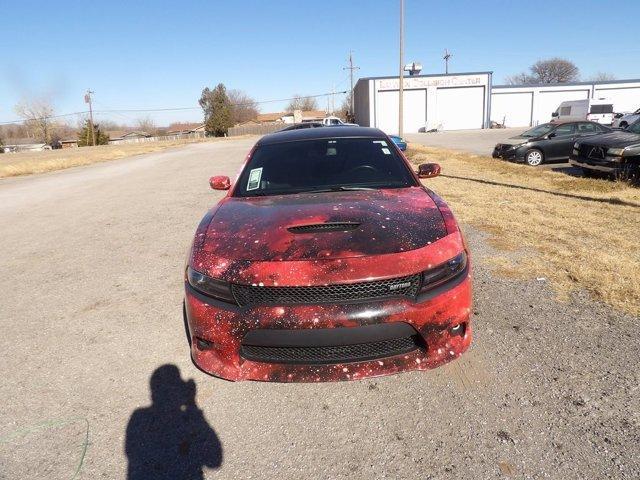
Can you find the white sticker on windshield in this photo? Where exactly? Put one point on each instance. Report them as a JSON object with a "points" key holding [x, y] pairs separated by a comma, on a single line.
{"points": [[254, 179], [386, 151], [381, 142]]}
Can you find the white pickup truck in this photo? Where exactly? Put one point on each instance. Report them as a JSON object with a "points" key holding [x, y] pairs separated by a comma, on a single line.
{"points": [[327, 121]]}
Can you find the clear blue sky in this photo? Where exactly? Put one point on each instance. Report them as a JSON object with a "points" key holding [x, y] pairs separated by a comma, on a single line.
{"points": [[161, 54]]}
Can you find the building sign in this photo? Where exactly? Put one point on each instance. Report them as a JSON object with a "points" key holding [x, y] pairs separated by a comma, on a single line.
{"points": [[444, 81]]}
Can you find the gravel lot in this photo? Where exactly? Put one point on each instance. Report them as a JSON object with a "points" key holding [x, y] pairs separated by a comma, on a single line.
{"points": [[92, 263]]}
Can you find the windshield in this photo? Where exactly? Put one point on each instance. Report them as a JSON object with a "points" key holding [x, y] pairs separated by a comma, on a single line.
{"points": [[323, 165], [634, 128], [539, 130]]}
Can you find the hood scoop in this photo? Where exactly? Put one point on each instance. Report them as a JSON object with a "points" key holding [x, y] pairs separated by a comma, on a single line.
{"points": [[324, 227]]}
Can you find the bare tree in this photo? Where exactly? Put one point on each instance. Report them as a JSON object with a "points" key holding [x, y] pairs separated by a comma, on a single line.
{"points": [[553, 70], [37, 115], [243, 107], [146, 125], [602, 77], [302, 103]]}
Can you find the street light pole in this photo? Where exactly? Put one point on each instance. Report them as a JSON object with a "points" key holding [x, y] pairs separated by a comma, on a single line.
{"points": [[401, 73]]}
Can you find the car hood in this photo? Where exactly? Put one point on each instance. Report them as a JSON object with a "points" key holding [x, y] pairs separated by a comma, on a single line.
{"points": [[517, 140], [378, 222], [612, 140]]}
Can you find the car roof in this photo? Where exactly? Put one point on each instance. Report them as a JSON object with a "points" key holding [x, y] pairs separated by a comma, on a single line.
{"points": [[320, 133], [564, 122]]}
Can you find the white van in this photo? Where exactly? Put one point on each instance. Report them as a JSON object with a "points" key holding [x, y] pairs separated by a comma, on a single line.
{"points": [[596, 110]]}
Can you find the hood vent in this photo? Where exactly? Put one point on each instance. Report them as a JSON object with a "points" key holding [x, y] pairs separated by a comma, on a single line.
{"points": [[325, 227]]}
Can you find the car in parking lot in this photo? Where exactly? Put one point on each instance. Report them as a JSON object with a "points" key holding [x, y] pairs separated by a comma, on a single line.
{"points": [[327, 260], [548, 142], [623, 120], [616, 154], [399, 141]]}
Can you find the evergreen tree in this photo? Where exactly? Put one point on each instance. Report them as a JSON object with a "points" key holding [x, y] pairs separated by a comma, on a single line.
{"points": [[217, 110], [84, 135]]}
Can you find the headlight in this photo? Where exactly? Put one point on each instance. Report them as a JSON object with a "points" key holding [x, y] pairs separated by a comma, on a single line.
{"points": [[442, 273], [576, 145], [211, 287], [615, 151]]}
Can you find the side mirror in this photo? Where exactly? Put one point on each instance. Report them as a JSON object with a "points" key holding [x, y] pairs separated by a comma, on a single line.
{"points": [[428, 170], [555, 114], [220, 182], [551, 135]]}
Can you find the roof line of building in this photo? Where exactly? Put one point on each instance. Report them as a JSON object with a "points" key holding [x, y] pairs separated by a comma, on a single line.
{"points": [[569, 84], [426, 75]]}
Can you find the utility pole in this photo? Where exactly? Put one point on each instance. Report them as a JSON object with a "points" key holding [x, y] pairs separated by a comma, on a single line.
{"points": [[446, 58], [401, 74], [351, 68], [87, 99]]}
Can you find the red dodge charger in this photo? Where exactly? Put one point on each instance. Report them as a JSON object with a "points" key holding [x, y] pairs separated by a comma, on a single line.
{"points": [[327, 260]]}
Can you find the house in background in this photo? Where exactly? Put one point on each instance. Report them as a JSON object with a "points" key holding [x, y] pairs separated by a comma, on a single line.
{"points": [[181, 129], [116, 137], [24, 145], [68, 143]]}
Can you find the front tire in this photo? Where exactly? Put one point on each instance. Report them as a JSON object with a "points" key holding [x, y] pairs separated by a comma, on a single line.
{"points": [[624, 124], [534, 157]]}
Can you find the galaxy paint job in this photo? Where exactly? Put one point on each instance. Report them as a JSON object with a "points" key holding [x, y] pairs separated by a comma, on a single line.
{"points": [[245, 240]]}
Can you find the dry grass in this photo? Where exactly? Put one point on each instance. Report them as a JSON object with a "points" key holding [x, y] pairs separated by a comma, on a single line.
{"points": [[578, 233], [26, 163]]}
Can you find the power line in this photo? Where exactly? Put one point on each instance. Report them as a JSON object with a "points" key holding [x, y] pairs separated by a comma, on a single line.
{"points": [[172, 109]]}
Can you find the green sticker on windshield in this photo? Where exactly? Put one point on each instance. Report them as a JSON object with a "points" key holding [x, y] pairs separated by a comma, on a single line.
{"points": [[254, 179]]}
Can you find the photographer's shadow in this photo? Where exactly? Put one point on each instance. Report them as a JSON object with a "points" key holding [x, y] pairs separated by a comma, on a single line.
{"points": [[171, 438]]}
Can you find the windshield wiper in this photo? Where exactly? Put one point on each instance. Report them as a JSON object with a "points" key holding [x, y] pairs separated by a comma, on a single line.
{"points": [[334, 189]]}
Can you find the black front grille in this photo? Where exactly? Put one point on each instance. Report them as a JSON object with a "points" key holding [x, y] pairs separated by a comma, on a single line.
{"points": [[325, 227], [338, 293], [332, 354], [594, 152]]}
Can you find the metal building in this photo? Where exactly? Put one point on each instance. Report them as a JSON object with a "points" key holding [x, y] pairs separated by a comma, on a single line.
{"points": [[528, 105], [443, 102], [468, 101]]}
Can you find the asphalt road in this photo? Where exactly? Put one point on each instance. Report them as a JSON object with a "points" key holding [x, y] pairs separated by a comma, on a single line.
{"points": [[92, 263]]}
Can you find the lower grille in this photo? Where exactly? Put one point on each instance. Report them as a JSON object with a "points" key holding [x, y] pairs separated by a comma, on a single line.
{"points": [[594, 152], [332, 354], [338, 293]]}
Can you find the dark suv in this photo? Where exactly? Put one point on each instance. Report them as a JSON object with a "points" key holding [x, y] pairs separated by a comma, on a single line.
{"points": [[617, 153], [548, 142]]}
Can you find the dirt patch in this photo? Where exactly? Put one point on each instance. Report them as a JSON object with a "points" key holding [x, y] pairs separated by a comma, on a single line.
{"points": [[578, 233]]}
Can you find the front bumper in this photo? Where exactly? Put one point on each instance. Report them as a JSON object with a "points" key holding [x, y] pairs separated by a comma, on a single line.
{"points": [[224, 327], [511, 154], [604, 166]]}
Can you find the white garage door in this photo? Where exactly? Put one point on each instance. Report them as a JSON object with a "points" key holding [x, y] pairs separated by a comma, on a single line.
{"points": [[624, 99], [512, 109], [414, 111], [460, 108], [548, 102]]}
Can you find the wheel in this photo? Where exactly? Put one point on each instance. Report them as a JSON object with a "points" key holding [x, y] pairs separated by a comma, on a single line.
{"points": [[534, 157], [629, 173], [624, 124]]}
